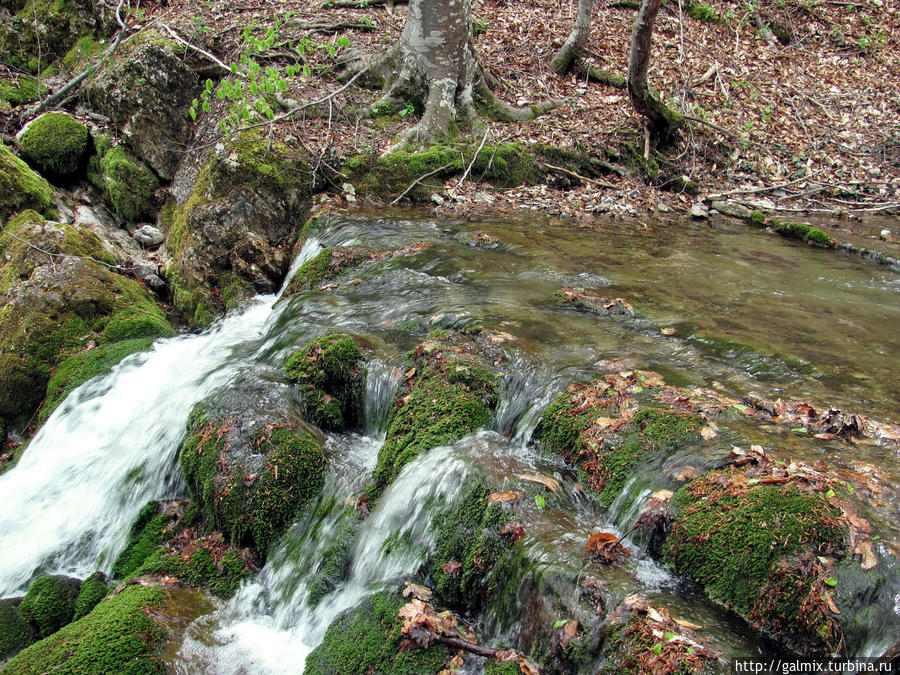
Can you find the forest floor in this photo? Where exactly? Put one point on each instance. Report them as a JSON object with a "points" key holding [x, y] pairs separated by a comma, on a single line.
{"points": [[809, 127]]}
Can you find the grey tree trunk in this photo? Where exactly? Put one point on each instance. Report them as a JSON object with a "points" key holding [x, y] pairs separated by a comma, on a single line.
{"points": [[571, 50], [662, 121]]}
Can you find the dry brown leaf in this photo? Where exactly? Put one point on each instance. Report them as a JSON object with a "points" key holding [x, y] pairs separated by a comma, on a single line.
{"points": [[570, 630], [708, 433], [416, 591], [687, 624], [549, 483], [605, 547], [513, 528], [507, 496], [869, 559], [451, 567]]}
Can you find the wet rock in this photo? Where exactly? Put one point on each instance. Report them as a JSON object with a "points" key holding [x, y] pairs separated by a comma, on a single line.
{"points": [[451, 386], [249, 462], [331, 377], [699, 211], [149, 236], [20, 187], [49, 603], [61, 300], [594, 303], [125, 633], [235, 232], [730, 208], [146, 90], [55, 143]]}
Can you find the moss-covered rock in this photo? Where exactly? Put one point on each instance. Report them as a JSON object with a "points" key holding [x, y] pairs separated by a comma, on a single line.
{"points": [[15, 633], [127, 183], [367, 641], [736, 537], [569, 429], [125, 633], [328, 264], [145, 89], [61, 301], [250, 464], [235, 229], [790, 230], [92, 591], [148, 531], [20, 91], [49, 603], [331, 377], [20, 187], [56, 143], [452, 391]]}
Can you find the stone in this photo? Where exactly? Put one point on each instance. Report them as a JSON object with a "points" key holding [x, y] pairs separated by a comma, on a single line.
{"points": [[731, 209], [149, 236], [699, 211]]}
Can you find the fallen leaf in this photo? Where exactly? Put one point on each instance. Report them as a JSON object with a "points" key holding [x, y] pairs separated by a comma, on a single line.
{"points": [[508, 496], [570, 630], [668, 331], [662, 495], [416, 591], [451, 567], [409, 373], [513, 528], [687, 624], [605, 547], [549, 483], [864, 548], [686, 473], [708, 433], [830, 602]]}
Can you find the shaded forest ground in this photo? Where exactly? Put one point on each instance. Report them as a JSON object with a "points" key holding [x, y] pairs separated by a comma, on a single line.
{"points": [[815, 112]]}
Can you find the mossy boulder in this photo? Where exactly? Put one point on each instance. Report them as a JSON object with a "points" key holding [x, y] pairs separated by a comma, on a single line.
{"points": [[127, 183], [739, 540], [92, 591], [250, 464], [367, 640], [331, 377], [125, 633], [569, 428], [234, 232], [328, 264], [60, 301], [49, 603], [451, 390], [791, 230], [56, 143], [15, 634], [20, 187], [159, 544]]}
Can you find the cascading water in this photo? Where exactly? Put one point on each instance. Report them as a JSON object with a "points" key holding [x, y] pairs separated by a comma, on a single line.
{"points": [[111, 446]]}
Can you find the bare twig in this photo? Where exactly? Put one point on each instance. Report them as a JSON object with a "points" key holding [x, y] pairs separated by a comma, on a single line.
{"points": [[753, 191], [199, 50], [418, 180], [580, 177], [474, 157]]}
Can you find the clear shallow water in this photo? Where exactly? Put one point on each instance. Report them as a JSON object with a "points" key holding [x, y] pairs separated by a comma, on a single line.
{"points": [[803, 324]]}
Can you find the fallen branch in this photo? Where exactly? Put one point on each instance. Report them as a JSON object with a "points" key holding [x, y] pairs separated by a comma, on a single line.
{"points": [[418, 180], [752, 191], [76, 82], [474, 157], [580, 177], [199, 50]]}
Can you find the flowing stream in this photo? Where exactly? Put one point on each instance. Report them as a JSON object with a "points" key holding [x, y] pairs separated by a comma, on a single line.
{"points": [[749, 312]]}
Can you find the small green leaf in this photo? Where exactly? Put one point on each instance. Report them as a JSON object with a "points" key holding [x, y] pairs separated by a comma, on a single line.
{"points": [[560, 623], [738, 406], [799, 430], [822, 560], [209, 85], [539, 500], [669, 636], [290, 70], [657, 648], [850, 488], [193, 112], [343, 42], [831, 581], [829, 494], [205, 106], [195, 103]]}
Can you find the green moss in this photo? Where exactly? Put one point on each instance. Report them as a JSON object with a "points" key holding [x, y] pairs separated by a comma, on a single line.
{"points": [[147, 533], [93, 590], [253, 512], [702, 12], [441, 407], [757, 218], [727, 535], [55, 143], [41, 31], [504, 164], [494, 667], [135, 314], [19, 92], [335, 562], [562, 424], [81, 53], [15, 634], [650, 433], [20, 187], [118, 636], [49, 604], [467, 533], [367, 641], [328, 264], [82, 367], [789, 230], [127, 183], [331, 378]]}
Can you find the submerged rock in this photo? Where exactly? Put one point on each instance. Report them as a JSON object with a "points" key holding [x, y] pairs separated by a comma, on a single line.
{"points": [[250, 464], [451, 387], [594, 303], [331, 377]]}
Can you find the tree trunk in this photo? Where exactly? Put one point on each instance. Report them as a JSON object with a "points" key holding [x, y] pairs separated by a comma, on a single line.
{"points": [[571, 50], [662, 121]]}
